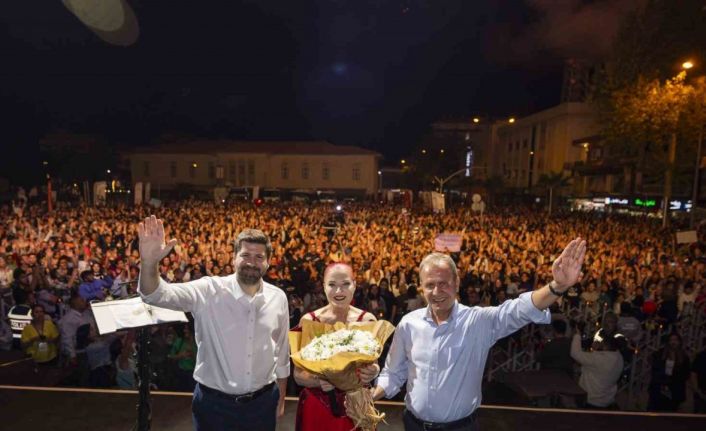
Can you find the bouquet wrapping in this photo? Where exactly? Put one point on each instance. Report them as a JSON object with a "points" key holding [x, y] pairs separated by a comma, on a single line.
{"points": [[334, 352]]}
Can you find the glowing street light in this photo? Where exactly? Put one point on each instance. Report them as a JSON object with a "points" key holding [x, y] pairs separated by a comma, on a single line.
{"points": [[424, 151], [687, 65], [476, 120], [403, 161], [511, 120], [107, 171]]}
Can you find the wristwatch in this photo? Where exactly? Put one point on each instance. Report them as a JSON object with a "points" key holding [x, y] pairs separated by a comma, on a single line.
{"points": [[552, 289]]}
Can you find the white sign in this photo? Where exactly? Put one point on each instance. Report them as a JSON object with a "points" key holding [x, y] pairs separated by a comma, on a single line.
{"points": [[138, 193], [686, 237], [438, 203]]}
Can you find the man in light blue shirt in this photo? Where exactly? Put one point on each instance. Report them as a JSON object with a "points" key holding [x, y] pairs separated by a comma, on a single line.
{"points": [[440, 350]]}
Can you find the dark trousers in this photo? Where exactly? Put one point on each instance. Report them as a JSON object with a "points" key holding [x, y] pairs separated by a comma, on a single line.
{"points": [[699, 404], [215, 413], [410, 424]]}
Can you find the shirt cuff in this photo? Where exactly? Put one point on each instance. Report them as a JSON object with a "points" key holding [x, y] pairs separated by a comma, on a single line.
{"points": [[390, 389], [154, 296], [282, 372], [532, 312]]}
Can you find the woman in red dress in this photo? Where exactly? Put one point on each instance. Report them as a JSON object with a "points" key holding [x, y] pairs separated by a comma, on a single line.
{"points": [[321, 405]]}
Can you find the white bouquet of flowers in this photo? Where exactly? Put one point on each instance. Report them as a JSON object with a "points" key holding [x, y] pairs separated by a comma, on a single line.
{"points": [[334, 352], [343, 340]]}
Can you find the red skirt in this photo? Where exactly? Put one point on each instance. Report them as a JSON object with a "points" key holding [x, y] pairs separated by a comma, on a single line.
{"points": [[314, 412]]}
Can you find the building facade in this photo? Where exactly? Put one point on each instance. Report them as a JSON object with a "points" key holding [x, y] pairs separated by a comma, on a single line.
{"points": [[204, 164], [466, 141], [548, 141]]}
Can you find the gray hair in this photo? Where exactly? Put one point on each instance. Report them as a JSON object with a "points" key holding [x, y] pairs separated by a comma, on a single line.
{"points": [[438, 259]]}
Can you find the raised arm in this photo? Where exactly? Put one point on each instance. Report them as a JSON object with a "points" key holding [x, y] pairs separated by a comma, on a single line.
{"points": [[566, 271], [152, 250]]}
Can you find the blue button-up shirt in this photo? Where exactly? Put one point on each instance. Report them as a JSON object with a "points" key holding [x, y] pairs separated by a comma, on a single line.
{"points": [[443, 364]]}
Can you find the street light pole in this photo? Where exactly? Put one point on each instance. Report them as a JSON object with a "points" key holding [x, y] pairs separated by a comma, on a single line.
{"points": [[695, 186], [669, 174], [668, 179], [443, 181]]}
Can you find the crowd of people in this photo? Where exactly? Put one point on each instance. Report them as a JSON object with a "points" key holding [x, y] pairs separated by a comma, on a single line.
{"points": [[57, 262]]}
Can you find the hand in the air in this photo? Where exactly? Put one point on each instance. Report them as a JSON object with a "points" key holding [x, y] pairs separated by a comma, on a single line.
{"points": [[567, 267], [152, 245]]}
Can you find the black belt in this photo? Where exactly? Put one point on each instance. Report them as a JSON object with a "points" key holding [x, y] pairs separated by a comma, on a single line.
{"points": [[442, 425], [242, 398]]}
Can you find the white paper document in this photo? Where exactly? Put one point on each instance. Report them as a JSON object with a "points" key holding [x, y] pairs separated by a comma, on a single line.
{"points": [[113, 316]]}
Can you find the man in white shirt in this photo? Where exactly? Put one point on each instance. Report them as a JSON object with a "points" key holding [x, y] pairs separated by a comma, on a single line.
{"points": [[600, 370], [241, 330]]}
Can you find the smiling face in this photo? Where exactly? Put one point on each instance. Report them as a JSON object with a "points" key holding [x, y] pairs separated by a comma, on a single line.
{"points": [[251, 263], [439, 286], [339, 285]]}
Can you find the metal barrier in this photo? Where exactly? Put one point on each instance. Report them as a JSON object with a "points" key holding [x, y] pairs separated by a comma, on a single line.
{"points": [[517, 352]]}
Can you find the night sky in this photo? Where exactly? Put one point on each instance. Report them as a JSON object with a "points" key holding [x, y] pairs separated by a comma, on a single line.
{"points": [[373, 73]]}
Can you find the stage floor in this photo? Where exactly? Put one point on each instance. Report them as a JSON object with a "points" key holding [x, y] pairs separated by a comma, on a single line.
{"points": [[70, 409]]}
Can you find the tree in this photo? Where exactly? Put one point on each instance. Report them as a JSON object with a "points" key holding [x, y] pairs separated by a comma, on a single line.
{"points": [[645, 109], [552, 181]]}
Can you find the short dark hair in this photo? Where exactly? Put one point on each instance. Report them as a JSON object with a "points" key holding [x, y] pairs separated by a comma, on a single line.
{"points": [[559, 326], [610, 343], [254, 236]]}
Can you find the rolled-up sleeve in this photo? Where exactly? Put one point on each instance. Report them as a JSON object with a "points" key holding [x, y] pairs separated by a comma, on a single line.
{"points": [[394, 375], [514, 314], [282, 347], [178, 296]]}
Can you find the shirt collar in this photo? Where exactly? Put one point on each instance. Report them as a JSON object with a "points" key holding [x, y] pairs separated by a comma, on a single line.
{"points": [[454, 312], [238, 292]]}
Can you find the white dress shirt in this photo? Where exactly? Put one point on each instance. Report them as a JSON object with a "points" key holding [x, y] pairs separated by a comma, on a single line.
{"points": [[68, 326], [600, 371], [242, 341], [443, 364]]}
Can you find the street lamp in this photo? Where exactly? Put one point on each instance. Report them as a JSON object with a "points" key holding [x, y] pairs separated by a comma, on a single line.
{"points": [[476, 120], [107, 171], [511, 120], [672, 150], [697, 166], [380, 183]]}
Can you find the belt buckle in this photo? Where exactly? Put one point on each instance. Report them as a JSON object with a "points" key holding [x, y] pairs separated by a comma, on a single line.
{"points": [[245, 398], [427, 426]]}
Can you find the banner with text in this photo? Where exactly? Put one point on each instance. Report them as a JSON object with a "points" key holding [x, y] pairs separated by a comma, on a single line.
{"points": [[448, 242]]}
